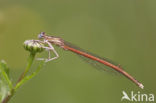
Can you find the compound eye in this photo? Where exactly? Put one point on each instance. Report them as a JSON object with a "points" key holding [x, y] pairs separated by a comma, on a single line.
{"points": [[41, 35]]}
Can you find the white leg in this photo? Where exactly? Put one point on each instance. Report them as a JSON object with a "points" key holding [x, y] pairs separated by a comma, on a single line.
{"points": [[49, 59], [40, 59], [47, 49], [43, 47], [51, 48]]}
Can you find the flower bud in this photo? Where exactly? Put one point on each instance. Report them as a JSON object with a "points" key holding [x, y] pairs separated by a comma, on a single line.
{"points": [[33, 46]]}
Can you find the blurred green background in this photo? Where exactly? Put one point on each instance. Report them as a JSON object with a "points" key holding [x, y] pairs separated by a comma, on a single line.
{"points": [[122, 30]]}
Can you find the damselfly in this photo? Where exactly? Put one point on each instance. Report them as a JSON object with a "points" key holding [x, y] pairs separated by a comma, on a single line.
{"points": [[49, 40]]}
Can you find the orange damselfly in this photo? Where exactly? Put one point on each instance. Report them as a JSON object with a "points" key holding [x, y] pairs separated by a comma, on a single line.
{"points": [[67, 46]]}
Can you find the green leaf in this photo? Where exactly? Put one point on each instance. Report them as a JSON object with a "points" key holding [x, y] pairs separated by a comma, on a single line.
{"points": [[5, 82], [5, 67], [28, 77], [4, 90], [4, 73]]}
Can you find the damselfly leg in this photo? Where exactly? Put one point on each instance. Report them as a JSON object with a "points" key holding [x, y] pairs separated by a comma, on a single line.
{"points": [[49, 49]]}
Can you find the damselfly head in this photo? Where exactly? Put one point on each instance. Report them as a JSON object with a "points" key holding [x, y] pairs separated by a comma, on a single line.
{"points": [[41, 35]]}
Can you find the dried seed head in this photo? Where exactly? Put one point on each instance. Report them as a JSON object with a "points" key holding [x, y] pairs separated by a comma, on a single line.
{"points": [[33, 46]]}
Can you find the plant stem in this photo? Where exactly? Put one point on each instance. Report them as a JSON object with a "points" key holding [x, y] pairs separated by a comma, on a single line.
{"points": [[12, 91], [30, 61]]}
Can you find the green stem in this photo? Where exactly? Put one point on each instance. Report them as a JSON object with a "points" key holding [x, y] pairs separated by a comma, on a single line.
{"points": [[30, 61]]}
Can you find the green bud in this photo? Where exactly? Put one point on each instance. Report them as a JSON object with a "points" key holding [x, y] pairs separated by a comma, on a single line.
{"points": [[33, 46]]}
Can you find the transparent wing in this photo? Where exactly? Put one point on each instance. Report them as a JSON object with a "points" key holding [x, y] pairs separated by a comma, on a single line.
{"points": [[95, 64]]}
